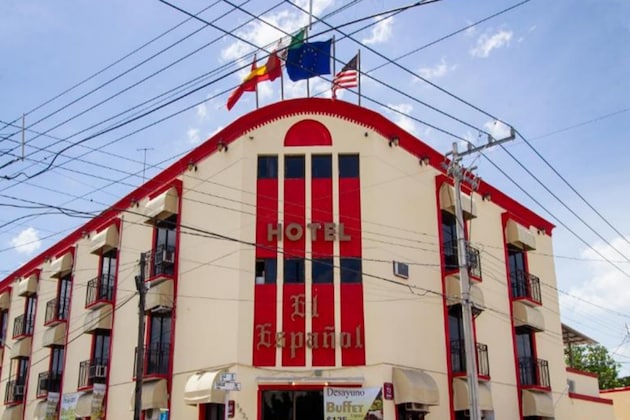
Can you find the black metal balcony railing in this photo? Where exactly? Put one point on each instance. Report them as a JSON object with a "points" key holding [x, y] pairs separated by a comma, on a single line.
{"points": [[48, 382], [458, 358], [14, 392], [161, 261], [451, 258], [57, 310], [155, 360], [93, 371], [534, 372], [22, 325], [525, 285], [100, 288]]}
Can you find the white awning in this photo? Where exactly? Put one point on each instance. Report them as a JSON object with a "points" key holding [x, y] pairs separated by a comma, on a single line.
{"points": [[105, 240], [13, 412], [537, 404], [460, 395], [200, 389], [98, 319], [163, 206], [159, 297], [454, 293], [21, 348], [154, 395], [520, 236], [55, 336], [61, 266], [447, 202], [5, 300], [414, 386], [525, 315], [27, 286]]}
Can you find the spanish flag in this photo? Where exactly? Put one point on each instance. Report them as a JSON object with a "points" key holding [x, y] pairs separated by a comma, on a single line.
{"points": [[271, 70]]}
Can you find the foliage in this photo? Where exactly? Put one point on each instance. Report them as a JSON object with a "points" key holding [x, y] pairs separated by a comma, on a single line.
{"points": [[595, 359]]}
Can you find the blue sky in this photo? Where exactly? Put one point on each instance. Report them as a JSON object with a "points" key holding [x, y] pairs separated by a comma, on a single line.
{"points": [[556, 71]]}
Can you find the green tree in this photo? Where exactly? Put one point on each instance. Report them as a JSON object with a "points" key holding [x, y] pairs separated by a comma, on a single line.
{"points": [[594, 358]]}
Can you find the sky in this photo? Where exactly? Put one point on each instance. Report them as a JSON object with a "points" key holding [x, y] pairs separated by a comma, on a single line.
{"points": [[555, 71]]}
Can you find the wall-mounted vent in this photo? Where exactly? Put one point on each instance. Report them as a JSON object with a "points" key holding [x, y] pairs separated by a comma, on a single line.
{"points": [[401, 269]]}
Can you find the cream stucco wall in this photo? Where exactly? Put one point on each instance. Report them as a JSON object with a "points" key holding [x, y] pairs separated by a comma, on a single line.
{"points": [[621, 400]]}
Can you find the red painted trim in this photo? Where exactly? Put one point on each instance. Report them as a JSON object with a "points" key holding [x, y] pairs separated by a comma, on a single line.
{"points": [[350, 216], [293, 324], [265, 307], [621, 389], [321, 212], [581, 372], [324, 295], [294, 212], [590, 398], [308, 133]]}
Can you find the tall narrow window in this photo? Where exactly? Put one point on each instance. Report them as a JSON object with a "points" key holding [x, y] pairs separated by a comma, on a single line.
{"points": [[321, 166], [29, 321], [525, 352], [55, 372], [17, 380], [100, 356], [266, 271], [322, 270], [294, 270], [4, 321], [63, 296], [518, 272], [159, 344], [348, 166], [449, 240], [456, 336], [108, 274], [165, 240], [294, 167], [351, 271], [267, 167]]}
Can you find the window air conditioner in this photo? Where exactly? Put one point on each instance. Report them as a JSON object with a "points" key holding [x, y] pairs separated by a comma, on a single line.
{"points": [[168, 257], [100, 371], [417, 407], [401, 270], [18, 391]]}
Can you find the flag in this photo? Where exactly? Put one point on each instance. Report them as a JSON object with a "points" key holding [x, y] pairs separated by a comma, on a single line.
{"points": [[271, 70], [308, 60], [287, 42], [348, 76]]}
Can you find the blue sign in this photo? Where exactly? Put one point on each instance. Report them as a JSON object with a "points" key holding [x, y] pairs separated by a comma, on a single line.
{"points": [[163, 414]]}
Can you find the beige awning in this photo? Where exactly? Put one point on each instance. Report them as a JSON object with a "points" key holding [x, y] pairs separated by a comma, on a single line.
{"points": [[55, 336], [154, 395], [40, 410], [5, 300], [460, 395], [84, 405], [27, 286], [98, 319], [200, 389], [61, 266], [13, 412], [528, 316], [520, 236], [163, 206], [454, 293], [414, 386], [537, 404], [447, 202], [159, 296], [105, 240], [21, 348]]}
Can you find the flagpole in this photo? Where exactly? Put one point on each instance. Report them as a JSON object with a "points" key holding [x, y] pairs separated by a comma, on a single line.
{"points": [[359, 75], [281, 85]]}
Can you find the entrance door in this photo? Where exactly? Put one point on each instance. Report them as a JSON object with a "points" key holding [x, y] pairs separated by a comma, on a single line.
{"points": [[292, 405]]}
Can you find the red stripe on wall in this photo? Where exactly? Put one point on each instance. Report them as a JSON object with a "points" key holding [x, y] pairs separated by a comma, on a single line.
{"points": [[293, 324], [265, 323], [294, 212], [352, 336], [323, 324], [321, 212]]}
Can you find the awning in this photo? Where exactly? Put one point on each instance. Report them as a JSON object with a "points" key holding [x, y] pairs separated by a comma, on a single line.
{"points": [[520, 236], [98, 319], [537, 404], [163, 206], [55, 336], [460, 395], [159, 296], [61, 266], [13, 412], [154, 395], [27, 286], [447, 202], [527, 316], [105, 240], [200, 389], [21, 348], [84, 405], [5, 300], [454, 293], [414, 386]]}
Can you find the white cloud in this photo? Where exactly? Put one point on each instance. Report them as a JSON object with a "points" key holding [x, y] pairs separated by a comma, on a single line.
{"points": [[202, 111], [486, 43], [193, 135], [437, 71], [400, 117], [27, 241], [470, 31], [497, 129], [381, 32]]}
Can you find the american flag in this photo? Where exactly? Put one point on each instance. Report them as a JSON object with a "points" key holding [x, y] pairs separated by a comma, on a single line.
{"points": [[348, 76]]}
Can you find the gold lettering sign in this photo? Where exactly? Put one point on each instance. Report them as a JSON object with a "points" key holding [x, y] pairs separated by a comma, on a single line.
{"points": [[295, 231], [296, 340]]}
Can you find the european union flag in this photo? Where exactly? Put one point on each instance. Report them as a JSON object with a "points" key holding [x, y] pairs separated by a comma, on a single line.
{"points": [[309, 60]]}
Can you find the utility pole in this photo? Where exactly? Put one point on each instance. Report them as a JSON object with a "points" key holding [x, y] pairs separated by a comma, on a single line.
{"points": [[458, 173], [141, 287]]}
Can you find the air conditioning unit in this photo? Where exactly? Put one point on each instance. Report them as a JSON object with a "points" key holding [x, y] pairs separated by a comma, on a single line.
{"points": [[416, 407], [100, 371], [168, 257], [18, 390], [401, 269]]}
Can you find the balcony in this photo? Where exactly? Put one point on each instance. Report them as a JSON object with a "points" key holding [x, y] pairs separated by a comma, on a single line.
{"points": [[525, 286], [22, 326], [160, 262], [56, 311], [14, 393], [100, 289], [458, 358], [93, 371], [155, 360], [533, 373], [451, 258], [48, 382]]}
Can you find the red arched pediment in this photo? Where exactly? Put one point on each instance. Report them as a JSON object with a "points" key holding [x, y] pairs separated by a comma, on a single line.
{"points": [[308, 133]]}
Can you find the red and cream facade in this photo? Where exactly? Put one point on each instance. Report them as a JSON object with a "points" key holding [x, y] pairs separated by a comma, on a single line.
{"points": [[310, 244]]}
